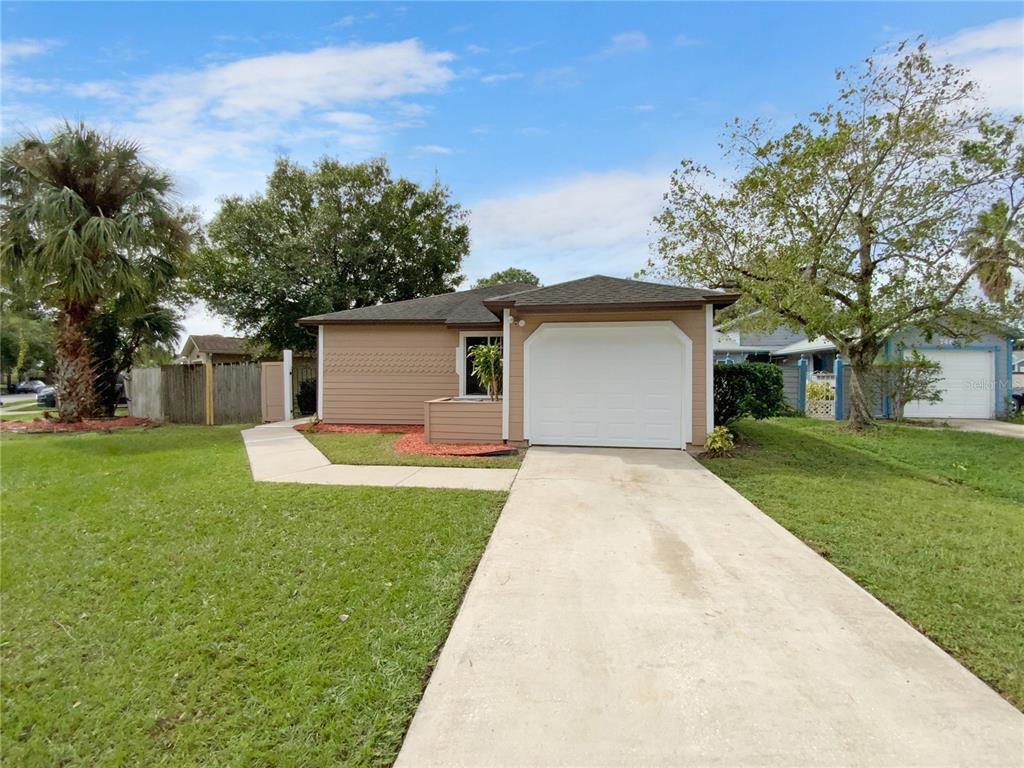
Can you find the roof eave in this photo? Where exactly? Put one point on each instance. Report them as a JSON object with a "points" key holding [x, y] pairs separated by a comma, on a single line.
{"points": [[314, 321], [610, 307]]}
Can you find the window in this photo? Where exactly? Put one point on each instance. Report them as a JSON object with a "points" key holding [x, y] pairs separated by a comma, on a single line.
{"points": [[468, 383]]}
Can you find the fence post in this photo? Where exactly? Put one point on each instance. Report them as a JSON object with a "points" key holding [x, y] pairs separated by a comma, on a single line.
{"points": [[287, 368], [802, 384], [837, 370], [208, 370]]}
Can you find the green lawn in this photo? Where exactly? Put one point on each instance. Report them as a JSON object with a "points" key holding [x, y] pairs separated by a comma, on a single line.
{"points": [[160, 608], [929, 521], [32, 410], [377, 448]]}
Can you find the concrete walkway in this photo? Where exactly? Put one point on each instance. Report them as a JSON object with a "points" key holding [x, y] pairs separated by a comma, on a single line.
{"points": [[278, 453], [988, 426], [632, 609]]}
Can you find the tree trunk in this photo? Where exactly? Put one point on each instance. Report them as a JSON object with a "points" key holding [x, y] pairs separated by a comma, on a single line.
{"points": [[862, 390], [76, 396]]}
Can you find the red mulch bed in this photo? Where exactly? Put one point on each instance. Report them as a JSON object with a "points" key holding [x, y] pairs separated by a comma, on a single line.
{"points": [[85, 425], [411, 440]]}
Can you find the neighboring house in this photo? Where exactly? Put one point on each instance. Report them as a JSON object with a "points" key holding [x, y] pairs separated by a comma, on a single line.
{"points": [[1017, 370], [976, 373], [599, 361], [214, 348], [738, 346]]}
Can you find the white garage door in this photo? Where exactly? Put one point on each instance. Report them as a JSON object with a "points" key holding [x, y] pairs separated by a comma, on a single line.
{"points": [[968, 386], [610, 384]]}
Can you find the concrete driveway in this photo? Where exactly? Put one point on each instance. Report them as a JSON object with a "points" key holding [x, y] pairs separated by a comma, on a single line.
{"points": [[633, 610], [988, 426]]}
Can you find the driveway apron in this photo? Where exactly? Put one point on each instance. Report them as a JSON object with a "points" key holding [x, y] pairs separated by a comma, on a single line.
{"points": [[632, 609]]}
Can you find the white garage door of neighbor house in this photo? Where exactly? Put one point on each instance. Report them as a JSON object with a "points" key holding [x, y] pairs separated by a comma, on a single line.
{"points": [[968, 382], [614, 384]]}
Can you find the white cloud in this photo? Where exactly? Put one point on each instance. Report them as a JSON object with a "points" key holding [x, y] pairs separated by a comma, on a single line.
{"points": [[643, 108], [12, 50], [219, 127], [627, 42], [285, 84], [356, 121], [994, 56], [586, 224], [474, 48], [685, 41], [432, 149], [501, 77], [351, 20]]}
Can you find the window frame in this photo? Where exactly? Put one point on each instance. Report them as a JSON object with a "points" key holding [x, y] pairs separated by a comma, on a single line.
{"points": [[460, 359]]}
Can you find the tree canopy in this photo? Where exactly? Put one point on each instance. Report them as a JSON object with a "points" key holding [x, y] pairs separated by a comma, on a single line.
{"points": [[898, 205], [86, 221], [327, 238], [510, 275]]}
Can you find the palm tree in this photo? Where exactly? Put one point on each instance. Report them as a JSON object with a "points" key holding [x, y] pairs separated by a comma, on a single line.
{"points": [[118, 333], [89, 220], [991, 246]]}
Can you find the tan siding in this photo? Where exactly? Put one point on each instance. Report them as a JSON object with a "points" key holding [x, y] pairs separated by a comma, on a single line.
{"points": [[383, 374], [463, 421], [690, 321]]}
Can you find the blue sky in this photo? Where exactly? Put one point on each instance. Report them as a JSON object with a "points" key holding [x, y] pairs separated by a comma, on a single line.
{"points": [[557, 125]]}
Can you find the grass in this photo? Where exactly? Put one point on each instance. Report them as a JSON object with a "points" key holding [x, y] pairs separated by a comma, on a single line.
{"points": [[160, 608], [378, 448], [929, 521], [32, 410]]}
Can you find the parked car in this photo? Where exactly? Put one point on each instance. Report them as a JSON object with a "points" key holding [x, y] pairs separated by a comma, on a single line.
{"points": [[1018, 399], [31, 386], [47, 396]]}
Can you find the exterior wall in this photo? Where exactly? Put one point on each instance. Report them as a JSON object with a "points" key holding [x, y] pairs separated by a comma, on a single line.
{"points": [[462, 421], [382, 374], [690, 321], [776, 339]]}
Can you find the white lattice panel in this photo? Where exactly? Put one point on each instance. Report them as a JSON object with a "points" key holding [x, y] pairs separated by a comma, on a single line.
{"points": [[820, 409]]}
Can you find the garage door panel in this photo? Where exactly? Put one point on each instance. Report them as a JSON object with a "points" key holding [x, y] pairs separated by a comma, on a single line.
{"points": [[967, 386], [606, 386]]}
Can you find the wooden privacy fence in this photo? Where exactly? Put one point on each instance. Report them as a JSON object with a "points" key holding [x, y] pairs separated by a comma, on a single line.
{"points": [[236, 393], [144, 393], [222, 393]]}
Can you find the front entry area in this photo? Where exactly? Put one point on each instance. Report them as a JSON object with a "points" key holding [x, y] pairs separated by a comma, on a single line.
{"points": [[620, 384]]}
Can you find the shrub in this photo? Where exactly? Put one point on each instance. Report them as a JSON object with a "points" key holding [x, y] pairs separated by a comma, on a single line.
{"points": [[747, 389], [719, 442], [909, 378], [820, 390]]}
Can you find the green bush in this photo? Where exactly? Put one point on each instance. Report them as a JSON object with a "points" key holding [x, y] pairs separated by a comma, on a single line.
{"points": [[719, 442], [820, 390], [747, 389]]}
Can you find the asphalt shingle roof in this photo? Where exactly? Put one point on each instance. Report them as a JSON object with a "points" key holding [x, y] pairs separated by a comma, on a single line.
{"points": [[600, 290], [217, 344], [459, 308], [481, 306]]}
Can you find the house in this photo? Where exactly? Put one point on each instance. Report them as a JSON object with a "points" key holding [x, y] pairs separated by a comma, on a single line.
{"points": [[976, 372], [214, 348], [599, 361], [736, 345], [1017, 370]]}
